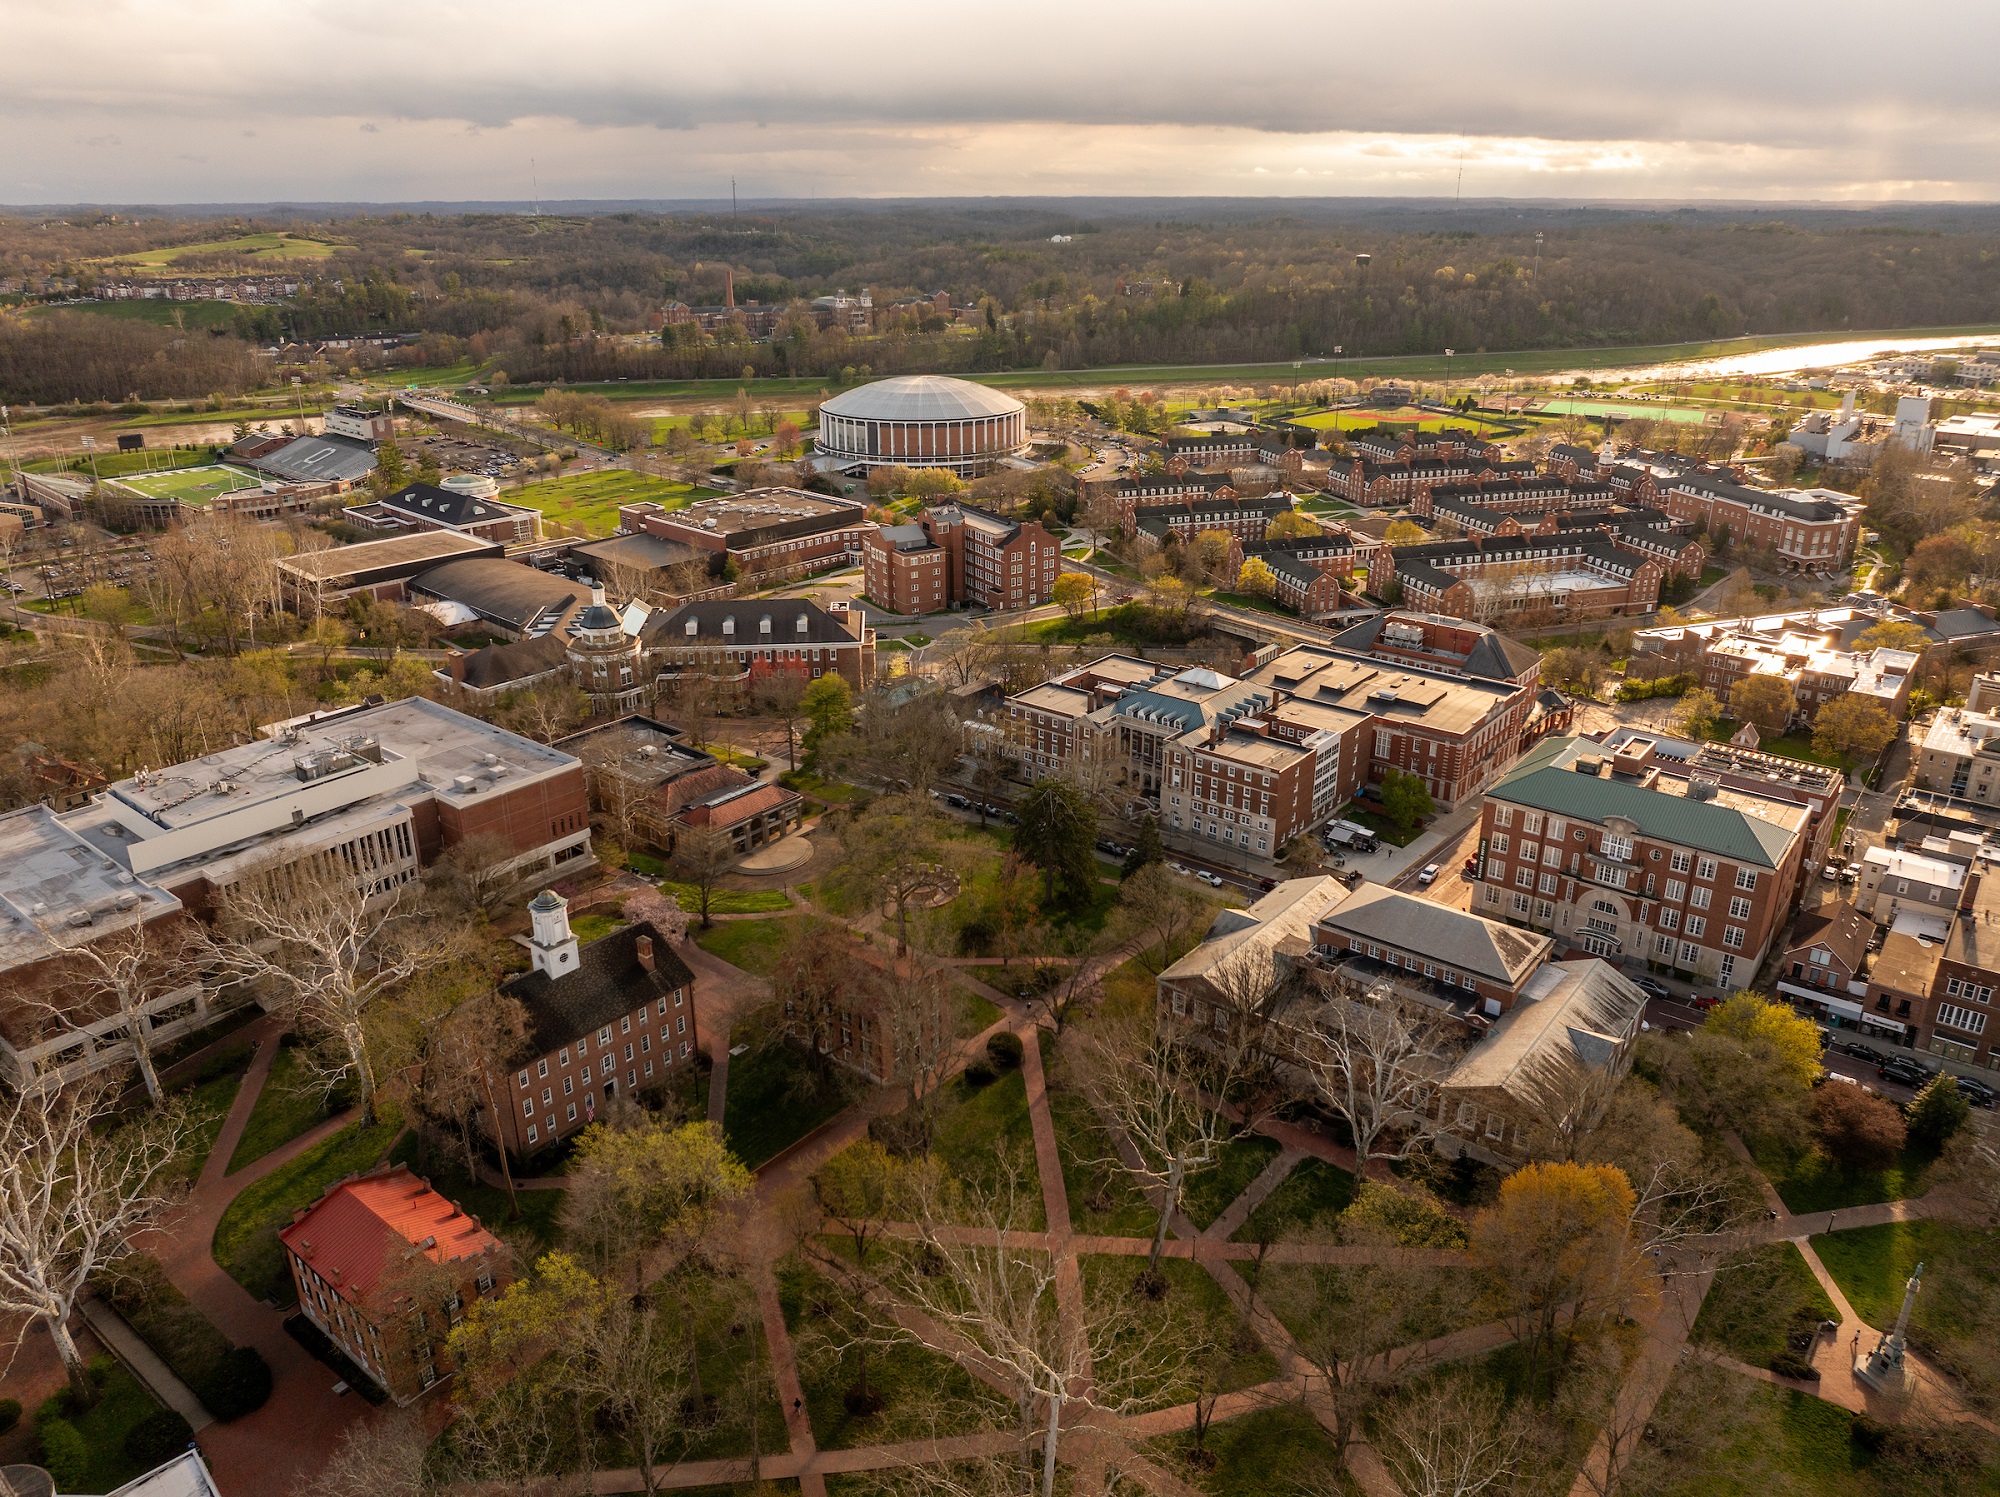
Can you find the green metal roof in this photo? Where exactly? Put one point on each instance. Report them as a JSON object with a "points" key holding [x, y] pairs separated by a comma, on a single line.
{"points": [[1545, 780]]}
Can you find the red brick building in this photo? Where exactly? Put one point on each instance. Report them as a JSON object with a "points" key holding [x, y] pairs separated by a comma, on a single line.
{"points": [[766, 532], [385, 1267], [738, 640], [905, 570], [996, 563]]}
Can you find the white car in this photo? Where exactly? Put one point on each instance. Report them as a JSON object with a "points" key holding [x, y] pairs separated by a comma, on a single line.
{"points": [[1209, 878], [1429, 875], [1175, 868]]}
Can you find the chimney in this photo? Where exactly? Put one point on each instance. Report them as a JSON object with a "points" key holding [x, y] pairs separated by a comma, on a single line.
{"points": [[729, 287], [643, 948], [457, 667]]}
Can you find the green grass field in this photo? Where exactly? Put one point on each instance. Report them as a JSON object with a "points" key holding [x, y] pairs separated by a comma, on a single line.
{"points": [[1623, 411], [197, 315], [192, 486], [278, 246], [589, 501]]}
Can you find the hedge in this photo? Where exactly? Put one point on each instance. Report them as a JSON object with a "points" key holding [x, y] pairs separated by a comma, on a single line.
{"points": [[230, 1381], [158, 1437], [1640, 689]]}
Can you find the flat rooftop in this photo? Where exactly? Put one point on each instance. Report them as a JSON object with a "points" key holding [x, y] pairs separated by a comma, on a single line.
{"points": [[760, 509], [57, 889], [398, 550], [1957, 731]]}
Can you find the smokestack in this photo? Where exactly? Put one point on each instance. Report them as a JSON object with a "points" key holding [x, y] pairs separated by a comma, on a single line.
{"points": [[643, 947], [729, 287]]}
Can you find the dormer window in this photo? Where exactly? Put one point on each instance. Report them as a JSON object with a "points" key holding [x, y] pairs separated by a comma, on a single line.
{"points": [[802, 623], [693, 627], [764, 624], [729, 624]]}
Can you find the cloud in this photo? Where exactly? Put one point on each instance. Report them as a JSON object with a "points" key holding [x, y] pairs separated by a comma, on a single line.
{"points": [[892, 93]]}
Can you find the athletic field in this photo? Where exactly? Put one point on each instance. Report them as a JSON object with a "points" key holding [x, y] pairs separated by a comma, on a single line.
{"points": [[193, 486]]}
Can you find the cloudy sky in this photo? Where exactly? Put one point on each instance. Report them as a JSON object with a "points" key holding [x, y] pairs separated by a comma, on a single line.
{"points": [[168, 101]]}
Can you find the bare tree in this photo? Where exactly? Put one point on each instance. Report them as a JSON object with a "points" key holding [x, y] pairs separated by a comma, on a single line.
{"points": [[461, 1054], [923, 1023], [125, 971], [374, 1457], [1451, 1437], [327, 944], [73, 1191], [893, 855], [1162, 910], [544, 711], [701, 856], [1143, 1080], [1373, 1058], [779, 695]]}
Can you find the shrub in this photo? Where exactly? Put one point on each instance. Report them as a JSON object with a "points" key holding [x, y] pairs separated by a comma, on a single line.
{"points": [[238, 1383], [65, 1456], [1938, 1111], [1004, 1050], [1789, 1363], [1870, 1434], [980, 1073], [1411, 1217], [10, 1414], [161, 1435]]}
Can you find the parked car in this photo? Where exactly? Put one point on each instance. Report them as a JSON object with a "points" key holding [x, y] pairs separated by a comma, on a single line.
{"points": [[1176, 868], [1902, 1068], [958, 802], [1978, 1093], [1706, 1001], [1862, 1050], [1470, 868], [1212, 879], [1652, 987], [1830, 873], [1429, 875]]}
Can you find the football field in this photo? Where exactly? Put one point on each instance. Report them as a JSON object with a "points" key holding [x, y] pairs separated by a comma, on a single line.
{"points": [[194, 486]]}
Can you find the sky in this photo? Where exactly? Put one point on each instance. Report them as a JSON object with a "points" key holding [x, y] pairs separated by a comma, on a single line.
{"points": [[192, 101]]}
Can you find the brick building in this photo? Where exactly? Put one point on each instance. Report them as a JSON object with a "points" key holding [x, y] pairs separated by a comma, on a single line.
{"points": [[905, 571], [1126, 496], [613, 1018], [650, 783], [738, 640], [467, 509], [1396, 443], [1374, 485], [991, 562], [1637, 857], [768, 533], [1526, 578], [1243, 520], [1211, 449], [1813, 651], [385, 1267]]}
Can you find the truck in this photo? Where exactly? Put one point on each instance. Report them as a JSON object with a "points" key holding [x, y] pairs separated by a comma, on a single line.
{"points": [[1347, 834]]}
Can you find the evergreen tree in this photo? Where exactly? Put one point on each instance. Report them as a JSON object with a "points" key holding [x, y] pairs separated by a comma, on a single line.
{"points": [[1147, 849], [1058, 834]]}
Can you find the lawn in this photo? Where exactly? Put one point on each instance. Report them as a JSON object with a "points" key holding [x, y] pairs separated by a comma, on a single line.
{"points": [[981, 1130], [1103, 1197], [1275, 1452], [752, 945], [246, 1238], [194, 486], [1955, 1310], [594, 926], [916, 1386], [589, 501], [1620, 411], [288, 1105], [1314, 1189], [273, 246], [812, 785], [729, 901], [195, 316], [1207, 1194], [1754, 1303], [121, 1404], [774, 1100], [1380, 825], [1792, 746], [1809, 1181], [1193, 1299]]}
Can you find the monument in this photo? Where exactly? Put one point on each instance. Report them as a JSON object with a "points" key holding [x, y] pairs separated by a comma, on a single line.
{"points": [[1883, 1369]]}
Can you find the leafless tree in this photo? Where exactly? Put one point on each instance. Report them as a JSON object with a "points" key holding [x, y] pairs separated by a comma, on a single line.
{"points": [[924, 1027], [124, 971], [73, 1191], [463, 1068], [326, 944], [779, 694], [1372, 1057], [1162, 910], [544, 711], [702, 855], [375, 1457], [1451, 1437], [1143, 1080]]}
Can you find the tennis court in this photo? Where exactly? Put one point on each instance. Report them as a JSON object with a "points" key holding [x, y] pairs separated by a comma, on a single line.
{"points": [[195, 486]]}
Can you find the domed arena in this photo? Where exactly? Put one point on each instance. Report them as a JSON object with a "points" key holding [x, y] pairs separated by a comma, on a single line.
{"points": [[921, 421]]}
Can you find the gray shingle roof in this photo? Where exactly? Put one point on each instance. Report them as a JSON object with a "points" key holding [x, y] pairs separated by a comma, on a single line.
{"points": [[608, 981], [1485, 948], [1546, 779], [445, 507]]}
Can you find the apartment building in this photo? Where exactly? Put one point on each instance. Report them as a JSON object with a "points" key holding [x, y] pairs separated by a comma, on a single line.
{"points": [[1126, 496], [991, 562], [386, 1268], [1813, 651], [739, 640], [905, 570], [1393, 443], [1243, 520], [769, 533], [1632, 857], [1211, 449], [1573, 464], [1894, 880], [1960, 752], [1806, 533], [1445, 645], [610, 1018], [1311, 575]]}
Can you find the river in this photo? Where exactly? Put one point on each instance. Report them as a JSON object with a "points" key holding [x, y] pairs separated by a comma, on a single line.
{"points": [[1793, 357]]}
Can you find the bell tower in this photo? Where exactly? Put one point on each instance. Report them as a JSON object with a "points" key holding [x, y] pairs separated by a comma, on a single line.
{"points": [[553, 944]]}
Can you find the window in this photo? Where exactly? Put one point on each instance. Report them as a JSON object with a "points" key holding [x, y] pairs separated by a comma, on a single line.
{"points": [[1549, 882], [527, 1107], [1544, 911], [1696, 925], [572, 1112], [524, 1081], [1739, 908], [1732, 937], [1520, 904], [1525, 877], [1698, 898], [1681, 862], [1746, 878], [547, 1096], [1497, 871], [1500, 845], [1552, 855], [569, 1085], [1690, 953], [1953, 1017], [1504, 816], [1617, 847], [1531, 823], [542, 1069], [625, 1024], [1664, 946], [565, 1055], [1706, 870], [604, 1037], [1529, 852], [1670, 919], [532, 1135], [1676, 891]]}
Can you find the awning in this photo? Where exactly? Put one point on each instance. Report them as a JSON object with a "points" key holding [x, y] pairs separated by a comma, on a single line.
{"points": [[1827, 1001]]}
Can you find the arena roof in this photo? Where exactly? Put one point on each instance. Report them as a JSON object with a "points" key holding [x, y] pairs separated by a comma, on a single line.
{"points": [[921, 397]]}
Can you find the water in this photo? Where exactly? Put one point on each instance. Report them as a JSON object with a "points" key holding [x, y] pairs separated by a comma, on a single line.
{"points": [[1797, 356]]}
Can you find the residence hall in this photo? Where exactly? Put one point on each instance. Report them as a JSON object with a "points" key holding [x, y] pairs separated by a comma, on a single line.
{"points": [[609, 1019], [1959, 753], [1243, 519], [1804, 532], [386, 1267], [644, 775], [1639, 857], [769, 534], [1516, 1021], [1311, 575], [957, 553], [1129, 494], [740, 640], [1529, 578], [1393, 442], [1374, 485]]}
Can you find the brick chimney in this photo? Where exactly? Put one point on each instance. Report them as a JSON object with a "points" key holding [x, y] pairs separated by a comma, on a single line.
{"points": [[457, 666], [643, 948]]}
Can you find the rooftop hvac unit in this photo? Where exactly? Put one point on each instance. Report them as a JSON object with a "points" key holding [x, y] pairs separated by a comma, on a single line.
{"points": [[464, 784]]}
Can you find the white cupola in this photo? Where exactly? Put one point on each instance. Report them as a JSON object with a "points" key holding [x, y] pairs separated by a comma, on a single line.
{"points": [[553, 945]]}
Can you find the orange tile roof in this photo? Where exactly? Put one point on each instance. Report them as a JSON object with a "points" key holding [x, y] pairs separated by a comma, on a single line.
{"points": [[362, 1228], [752, 803]]}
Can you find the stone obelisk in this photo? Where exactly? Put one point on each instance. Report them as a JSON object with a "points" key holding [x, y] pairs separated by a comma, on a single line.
{"points": [[1883, 1368]]}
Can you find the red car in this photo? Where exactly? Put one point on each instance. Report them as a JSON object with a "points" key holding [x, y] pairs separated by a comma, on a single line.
{"points": [[1471, 868], [1706, 1001]]}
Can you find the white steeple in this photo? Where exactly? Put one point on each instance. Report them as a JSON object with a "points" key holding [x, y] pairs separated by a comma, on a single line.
{"points": [[553, 945]]}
